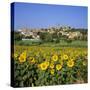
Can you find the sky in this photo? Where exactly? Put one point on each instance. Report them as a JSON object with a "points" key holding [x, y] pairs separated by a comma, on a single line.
{"points": [[30, 15]]}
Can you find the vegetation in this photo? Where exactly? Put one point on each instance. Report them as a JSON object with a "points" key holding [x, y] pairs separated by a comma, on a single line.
{"points": [[53, 59], [38, 66], [62, 43], [17, 36]]}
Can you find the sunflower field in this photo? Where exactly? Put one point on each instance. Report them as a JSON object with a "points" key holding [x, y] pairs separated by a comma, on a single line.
{"points": [[42, 66]]}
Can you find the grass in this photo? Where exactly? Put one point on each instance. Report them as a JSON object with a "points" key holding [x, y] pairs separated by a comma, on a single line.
{"points": [[75, 43], [65, 44]]}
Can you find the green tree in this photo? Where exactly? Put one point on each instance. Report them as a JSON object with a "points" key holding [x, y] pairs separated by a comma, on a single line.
{"points": [[46, 37], [17, 36]]}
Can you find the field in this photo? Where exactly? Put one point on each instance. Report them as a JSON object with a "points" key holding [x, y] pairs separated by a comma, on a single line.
{"points": [[62, 43], [50, 64]]}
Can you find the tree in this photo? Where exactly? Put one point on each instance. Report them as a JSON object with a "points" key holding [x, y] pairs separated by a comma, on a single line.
{"points": [[17, 36], [46, 37]]}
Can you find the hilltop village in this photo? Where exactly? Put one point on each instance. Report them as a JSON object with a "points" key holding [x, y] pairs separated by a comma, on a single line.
{"points": [[54, 32]]}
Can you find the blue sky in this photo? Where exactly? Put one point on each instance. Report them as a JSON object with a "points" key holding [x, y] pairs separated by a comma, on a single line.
{"points": [[29, 15]]}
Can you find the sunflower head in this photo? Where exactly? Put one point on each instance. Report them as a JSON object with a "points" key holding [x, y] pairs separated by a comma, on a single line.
{"points": [[15, 55], [52, 65], [47, 62], [32, 60], [58, 66], [70, 63], [84, 63], [43, 66], [22, 57], [55, 57], [65, 57], [52, 71]]}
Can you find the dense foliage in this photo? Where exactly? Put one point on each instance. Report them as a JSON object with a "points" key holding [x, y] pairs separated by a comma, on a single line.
{"points": [[38, 66]]}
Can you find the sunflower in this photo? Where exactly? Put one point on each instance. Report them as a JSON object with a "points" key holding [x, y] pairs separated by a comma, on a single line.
{"points": [[47, 62], [15, 55], [52, 71], [43, 66], [65, 57], [55, 57], [51, 65], [32, 60], [22, 57], [84, 63], [58, 66], [70, 63]]}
